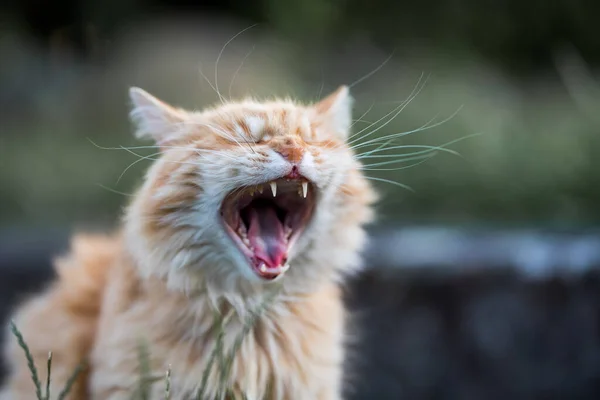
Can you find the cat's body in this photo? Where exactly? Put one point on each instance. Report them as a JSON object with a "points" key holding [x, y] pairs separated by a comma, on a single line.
{"points": [[159, 281]]}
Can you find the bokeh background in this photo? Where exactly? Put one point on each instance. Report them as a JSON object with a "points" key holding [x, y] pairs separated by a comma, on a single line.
{"points": [[482, 283]]}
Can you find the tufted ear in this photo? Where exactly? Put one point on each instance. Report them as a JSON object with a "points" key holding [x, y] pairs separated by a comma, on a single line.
{"points": [[154, 118], [335, 111]]}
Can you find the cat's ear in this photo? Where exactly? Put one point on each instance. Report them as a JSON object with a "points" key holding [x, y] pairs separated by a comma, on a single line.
{"points": [[155, 119], [335, 111]]}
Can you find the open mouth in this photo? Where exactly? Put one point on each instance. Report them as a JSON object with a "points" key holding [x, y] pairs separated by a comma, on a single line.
{"points": [[266, 220]]}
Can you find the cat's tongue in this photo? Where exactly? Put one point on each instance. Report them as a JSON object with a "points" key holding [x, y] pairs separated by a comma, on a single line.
{"points": [[267, 237]]}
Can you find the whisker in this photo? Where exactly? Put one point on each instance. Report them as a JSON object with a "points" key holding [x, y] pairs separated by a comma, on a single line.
{"points": [[431, 148], [423, 159], [208, 80], [237, 71], [395, 111], [361, 118], [402, 160], [141, 158], [394, 136], [219, 59], [231, 137], [115, 191], [221, 153], [367, 76], [409, 146], [402, 185], [322, 83], [391, 140]]}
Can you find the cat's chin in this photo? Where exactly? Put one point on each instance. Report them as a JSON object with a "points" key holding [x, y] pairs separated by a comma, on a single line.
{"points": [[265, 221]]}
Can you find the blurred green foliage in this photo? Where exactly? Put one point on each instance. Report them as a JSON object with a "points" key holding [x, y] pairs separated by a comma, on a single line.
{"points": [[517, 70]]}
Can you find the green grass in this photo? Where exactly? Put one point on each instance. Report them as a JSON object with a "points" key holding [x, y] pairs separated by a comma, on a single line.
{"points": [[34, 373], [224, 363]]}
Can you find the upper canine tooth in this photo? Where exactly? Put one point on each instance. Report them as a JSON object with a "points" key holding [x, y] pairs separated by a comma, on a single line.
{"points": [[273, 188], [304, 189], [263, 267], [260, 189]]}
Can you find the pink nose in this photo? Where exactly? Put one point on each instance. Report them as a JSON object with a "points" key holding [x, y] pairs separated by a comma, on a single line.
{"points": [[291, 153], [294, 173]]}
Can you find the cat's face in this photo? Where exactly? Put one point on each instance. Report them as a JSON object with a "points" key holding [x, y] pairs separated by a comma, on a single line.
{"points": [[251, 190]]}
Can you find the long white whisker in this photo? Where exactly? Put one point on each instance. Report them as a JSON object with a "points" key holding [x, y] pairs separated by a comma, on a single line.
{"points": [[115, 191], [219, 59], [367, 76], [431, 148], [196, 150], [394, 136], [427, 155], [322, 84], [208, 80], [422, 160], [399, 110], [409, 146], [141, 158], [231, 137], [199, 152], [391, 182], [237, 71], [392, 139], [361, 118], [350, 142]]}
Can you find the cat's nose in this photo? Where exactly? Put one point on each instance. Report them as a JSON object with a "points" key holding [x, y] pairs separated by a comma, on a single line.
{"points": [[292, 154]]}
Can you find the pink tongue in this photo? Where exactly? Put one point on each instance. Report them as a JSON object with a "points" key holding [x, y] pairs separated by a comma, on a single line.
{"points": [[266, 236]]}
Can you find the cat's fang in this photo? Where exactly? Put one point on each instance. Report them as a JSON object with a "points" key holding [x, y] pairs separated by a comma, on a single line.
{"points": [[304, 189], [273, 188], [263, 268]]}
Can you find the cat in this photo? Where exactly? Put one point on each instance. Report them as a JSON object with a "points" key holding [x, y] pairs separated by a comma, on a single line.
{"points": [[249, 204]]}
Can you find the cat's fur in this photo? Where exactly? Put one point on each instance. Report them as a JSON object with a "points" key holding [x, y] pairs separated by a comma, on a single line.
{"points": [[160, 278]]}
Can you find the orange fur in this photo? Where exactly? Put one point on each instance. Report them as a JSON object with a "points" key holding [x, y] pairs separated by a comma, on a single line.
{"points": [[161, 279]]}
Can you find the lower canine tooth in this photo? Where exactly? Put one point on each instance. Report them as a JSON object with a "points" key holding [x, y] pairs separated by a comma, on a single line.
{"points": [[262, 268]]}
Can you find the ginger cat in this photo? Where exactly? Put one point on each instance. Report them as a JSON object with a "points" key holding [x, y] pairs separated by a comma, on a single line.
{"points": [[244, 199]]}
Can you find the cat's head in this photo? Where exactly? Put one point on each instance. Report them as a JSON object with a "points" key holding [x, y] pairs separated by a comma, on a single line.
{"points": [[248, 193]]}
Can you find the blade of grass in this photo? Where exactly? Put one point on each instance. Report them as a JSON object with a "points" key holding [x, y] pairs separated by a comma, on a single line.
{"points": [[71, 381], [248, 325], [219, 321], [168, 384], [49, 371], [145, 378], [30, 364], [221, 356]]}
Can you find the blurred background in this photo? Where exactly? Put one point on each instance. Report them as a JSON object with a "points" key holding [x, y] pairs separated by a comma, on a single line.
{"points": [[482, 282]]}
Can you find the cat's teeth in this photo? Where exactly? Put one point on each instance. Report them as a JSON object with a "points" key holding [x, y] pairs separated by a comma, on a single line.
{"points": [[273, 188], [251, 191], [285, 267], [262, 268], [260, 189], [304, 189]]}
